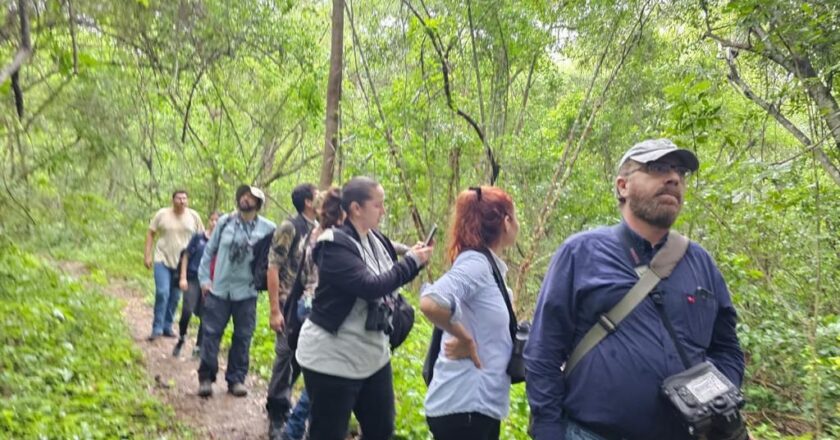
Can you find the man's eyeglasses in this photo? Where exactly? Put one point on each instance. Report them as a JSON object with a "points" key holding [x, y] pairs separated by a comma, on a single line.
{"points": [[662, 168]]}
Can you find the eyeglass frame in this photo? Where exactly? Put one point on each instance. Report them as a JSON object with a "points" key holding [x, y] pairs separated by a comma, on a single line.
{"points": [[657, 168]]}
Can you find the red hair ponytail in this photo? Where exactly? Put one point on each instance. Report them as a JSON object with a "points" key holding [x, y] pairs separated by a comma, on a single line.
{"points": [[479, 219]]}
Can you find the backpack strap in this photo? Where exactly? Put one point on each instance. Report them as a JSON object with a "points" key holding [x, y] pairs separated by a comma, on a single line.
{"points": [[221, 228], [661, 266]]}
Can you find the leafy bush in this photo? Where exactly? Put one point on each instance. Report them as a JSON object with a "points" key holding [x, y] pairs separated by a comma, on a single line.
{"points": [[67, 368]]}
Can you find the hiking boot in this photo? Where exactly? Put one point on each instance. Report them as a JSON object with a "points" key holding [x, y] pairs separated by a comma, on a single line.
{"points": [[238, 389], [177, 350], [205, 388]]}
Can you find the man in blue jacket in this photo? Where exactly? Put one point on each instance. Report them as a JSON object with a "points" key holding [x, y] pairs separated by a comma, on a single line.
{"points": [[614, 391]]}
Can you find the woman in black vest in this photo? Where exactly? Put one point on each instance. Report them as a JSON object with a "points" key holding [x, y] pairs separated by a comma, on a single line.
{"points": [[344, 349]]}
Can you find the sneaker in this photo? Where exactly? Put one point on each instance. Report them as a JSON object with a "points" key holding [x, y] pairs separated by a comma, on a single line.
{"points": [[153, 336], [238, 390], [196, 353], [177, 350], [169, 334], [205, 388]]}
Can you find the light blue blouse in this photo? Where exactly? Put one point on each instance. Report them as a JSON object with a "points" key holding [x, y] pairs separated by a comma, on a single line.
{"points": [[458, 386]]}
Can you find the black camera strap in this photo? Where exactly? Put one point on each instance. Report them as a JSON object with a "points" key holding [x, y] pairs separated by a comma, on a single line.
{"points": [[659, 301], [500, 282]]}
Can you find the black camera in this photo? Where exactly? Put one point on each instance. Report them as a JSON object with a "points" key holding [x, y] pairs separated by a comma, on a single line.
{"points": [[239, 251], [379, 317], [707, 402]]}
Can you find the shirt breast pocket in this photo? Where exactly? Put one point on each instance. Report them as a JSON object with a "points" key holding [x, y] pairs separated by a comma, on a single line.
{"points": [[693, 315]]}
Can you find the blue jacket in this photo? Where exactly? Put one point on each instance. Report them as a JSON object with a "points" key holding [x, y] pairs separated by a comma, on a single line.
{"points": [[615, 388]]}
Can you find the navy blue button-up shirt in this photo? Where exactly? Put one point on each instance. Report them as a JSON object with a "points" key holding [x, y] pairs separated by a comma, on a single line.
{"points": [[616, 386]]}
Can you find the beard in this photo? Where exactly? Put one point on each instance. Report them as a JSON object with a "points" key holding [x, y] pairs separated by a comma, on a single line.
{"points": [[653, 210], [245, 207]]}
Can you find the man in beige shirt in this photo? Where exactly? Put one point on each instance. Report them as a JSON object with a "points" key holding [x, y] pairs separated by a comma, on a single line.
{"points": [[174, 226]]}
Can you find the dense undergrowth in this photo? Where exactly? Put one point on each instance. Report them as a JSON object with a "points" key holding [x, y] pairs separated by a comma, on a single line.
{"points": [[68, 368]]}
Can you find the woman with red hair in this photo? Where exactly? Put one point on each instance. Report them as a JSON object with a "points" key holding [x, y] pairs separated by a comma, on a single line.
{"points": [[469, 392]]}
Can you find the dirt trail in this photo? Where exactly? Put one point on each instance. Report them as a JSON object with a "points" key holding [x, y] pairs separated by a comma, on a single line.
{"points": [[175, 380]]}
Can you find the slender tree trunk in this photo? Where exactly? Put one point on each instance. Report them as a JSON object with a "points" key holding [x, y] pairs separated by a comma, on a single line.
{"points": [[387, 131], [576, 139], [333, 94]]}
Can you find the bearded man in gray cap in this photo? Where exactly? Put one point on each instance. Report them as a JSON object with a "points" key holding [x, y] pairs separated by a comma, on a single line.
{"points": [[231, 293], [608, 385]]}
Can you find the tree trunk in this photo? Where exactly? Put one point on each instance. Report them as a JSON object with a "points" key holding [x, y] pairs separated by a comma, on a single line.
{"points": [[333, 94]]}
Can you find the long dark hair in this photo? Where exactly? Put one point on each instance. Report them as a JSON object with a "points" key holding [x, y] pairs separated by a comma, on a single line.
{"points": [[358, 189]]}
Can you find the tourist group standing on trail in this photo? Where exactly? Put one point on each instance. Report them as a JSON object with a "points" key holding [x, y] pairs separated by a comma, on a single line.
{"points": [[633, 335]]}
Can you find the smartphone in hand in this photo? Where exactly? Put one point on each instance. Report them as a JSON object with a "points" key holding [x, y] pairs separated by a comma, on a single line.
{"points": [[431, 236]]}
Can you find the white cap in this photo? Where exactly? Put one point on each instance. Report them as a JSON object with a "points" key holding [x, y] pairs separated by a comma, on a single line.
{"points": [[654, 149]]}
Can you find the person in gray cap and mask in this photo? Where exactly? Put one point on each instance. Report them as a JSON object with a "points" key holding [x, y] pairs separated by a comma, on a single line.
{"points": [[231, 293], [608, 386]]}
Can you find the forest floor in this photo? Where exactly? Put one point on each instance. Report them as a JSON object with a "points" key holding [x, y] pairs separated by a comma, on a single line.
{"points": [[175, 380]]}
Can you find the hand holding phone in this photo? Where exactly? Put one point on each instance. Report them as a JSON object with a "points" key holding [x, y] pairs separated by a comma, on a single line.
{"points": [[431, 236]]}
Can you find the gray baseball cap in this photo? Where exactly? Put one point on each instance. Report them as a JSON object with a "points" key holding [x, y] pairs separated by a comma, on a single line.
{"points": [[655, 149]]}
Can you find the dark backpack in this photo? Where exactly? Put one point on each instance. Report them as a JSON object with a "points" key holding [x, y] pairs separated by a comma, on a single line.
{"points": [[259, 265]]}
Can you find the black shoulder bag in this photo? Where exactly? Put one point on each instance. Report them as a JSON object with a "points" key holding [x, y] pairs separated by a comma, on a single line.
{"points": [[402, 313], [518, 333]]}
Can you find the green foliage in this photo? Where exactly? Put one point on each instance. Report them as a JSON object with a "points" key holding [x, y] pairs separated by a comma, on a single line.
{"points": [[67, 368], [209, 94]]}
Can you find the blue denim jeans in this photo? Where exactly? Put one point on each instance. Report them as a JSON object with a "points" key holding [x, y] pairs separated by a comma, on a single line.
{"points": [[167, 296], [296, 425], [577, 432]]}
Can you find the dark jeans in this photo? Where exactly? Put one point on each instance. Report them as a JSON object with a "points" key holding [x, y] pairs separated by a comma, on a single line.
{"points": [[191, 306], [167, 295], [214, 318], [333, 398], [462, 426], [576, 431], [283, 377]]}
